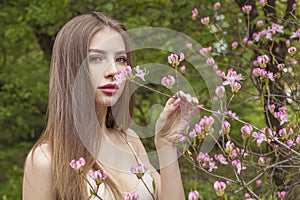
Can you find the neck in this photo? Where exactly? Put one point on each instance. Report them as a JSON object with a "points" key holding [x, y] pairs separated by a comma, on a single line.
{"points": [[101, 115]]}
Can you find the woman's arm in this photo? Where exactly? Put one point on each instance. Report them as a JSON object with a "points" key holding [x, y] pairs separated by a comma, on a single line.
{"points": [[174, 120], [170, 177], [37, 175]]}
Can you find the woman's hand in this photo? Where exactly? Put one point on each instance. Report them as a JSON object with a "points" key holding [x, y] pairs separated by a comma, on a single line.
{"points": [[175, 118]]}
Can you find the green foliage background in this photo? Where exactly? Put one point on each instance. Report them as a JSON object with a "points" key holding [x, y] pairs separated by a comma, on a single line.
{"points": [[28, 29]]}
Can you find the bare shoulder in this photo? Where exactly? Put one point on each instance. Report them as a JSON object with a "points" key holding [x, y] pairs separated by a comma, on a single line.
{"points": [[39, 158], [37, 174]]}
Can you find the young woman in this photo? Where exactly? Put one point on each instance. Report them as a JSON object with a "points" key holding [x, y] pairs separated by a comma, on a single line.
{"points": [[89, 116]]}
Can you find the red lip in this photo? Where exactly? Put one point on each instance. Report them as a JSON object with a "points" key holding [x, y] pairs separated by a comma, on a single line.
{"points": [[109, 89], [110, 86]]}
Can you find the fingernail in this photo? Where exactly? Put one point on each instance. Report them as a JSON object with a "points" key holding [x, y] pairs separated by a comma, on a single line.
{"points": [[177, 101]]}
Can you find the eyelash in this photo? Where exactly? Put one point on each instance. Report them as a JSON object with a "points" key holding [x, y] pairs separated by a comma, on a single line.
{"points": [[124, 60], [97, 59]]}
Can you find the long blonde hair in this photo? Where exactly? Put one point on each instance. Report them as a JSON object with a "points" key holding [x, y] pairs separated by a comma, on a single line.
{"points": [[69, 55]]}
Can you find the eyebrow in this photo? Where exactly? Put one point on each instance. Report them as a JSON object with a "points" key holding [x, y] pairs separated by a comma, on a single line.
{"points": [[104, 52]]}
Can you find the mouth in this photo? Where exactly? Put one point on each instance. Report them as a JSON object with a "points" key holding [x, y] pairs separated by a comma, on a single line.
{"points": [[109, 89]]}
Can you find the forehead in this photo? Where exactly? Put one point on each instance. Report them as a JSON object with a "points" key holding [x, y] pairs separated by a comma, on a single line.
{"points": [[108, 40]]}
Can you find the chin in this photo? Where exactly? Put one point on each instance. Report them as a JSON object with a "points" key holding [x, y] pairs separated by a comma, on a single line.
{"points": [[107, 100]]}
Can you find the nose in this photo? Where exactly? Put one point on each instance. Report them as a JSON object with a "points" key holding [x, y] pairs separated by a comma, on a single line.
{"points": [[112, 70]]}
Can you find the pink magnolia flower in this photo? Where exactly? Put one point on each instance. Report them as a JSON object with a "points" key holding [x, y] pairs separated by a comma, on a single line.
{"points": [[217, 5], [220, 188], [133, 196], [260, 23], [168, 81], [271, 76], [269, 133], [220, 91], [200, 131], [210, 61], [269, 35], [261, 161], [231, 77], [280, 66], [189, 45], [173, 60], [193, 195], [194, 13], [124, 75], [275, 28], [258, 182], [277, 75], [234, 153], [263, 2], [258, 72], [235, 86], [231, 114], [192, 134], [206, 161], [225, 128], [246, 130], [260, 34], [181, 57], [259, 137], [271, 108], [246, 9], [205, 50], [221, 159], [182, 68], [139, 170], [290, 142], [238, 165], [292, 50], [296, 34], [77, 165], [205, 20], [294, 62], [249, 42], [281, 115], [234, 45], [248, 197], [140, 73], [287, 43], [294, 6], [263, 60], [281, 194], [219, 73], [229, 146], [206, 122], [298, 140], [181, 138], [98, 176]]}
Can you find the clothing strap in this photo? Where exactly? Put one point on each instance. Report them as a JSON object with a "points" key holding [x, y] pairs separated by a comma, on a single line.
{"points": [[138, 160]]}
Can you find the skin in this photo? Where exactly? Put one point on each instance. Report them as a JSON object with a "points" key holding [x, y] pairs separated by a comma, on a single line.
{"points": [[107, 57]]}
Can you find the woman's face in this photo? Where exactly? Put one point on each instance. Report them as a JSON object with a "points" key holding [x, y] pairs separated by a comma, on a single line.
{"points": [[107, 56]]}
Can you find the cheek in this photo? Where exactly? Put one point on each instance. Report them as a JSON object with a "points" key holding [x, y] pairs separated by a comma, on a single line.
{"points": [[96, 76]]}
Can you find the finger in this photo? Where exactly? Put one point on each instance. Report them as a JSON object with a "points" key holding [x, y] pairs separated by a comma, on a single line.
{"points": [[194, 101], [177, 101], [195, 111], [171, 105]]}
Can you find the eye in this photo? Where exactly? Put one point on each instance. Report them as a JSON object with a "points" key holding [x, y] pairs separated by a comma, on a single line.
{"points": [[95, 59], [122, 60]]}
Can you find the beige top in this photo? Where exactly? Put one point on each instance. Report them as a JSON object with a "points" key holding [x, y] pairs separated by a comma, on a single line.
{"points": [[140, 189]]}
